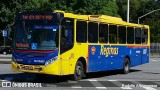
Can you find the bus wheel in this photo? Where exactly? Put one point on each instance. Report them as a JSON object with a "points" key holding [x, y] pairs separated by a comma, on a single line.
{"points": [[79, 71], [126, 66]]}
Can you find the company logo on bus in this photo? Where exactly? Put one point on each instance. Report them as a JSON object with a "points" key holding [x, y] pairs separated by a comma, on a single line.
{"points": [[93, 50], [109, 50]]}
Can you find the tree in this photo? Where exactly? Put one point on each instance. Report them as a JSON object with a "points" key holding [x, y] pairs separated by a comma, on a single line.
{"points": [[153, 19], [135, 6], [9, 8], [106, 7], [139, 8]]}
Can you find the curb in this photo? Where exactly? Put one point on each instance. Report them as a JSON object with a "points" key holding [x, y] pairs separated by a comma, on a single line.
{"points": [[9, 55], [5, 62], [154, 57]]}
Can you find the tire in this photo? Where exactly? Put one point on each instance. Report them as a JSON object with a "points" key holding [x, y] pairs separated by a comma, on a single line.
{"points": [[126, 66], [78, 72]]}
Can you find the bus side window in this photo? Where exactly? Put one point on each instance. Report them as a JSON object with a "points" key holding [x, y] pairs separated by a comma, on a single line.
{"points": [[138, 38], [90, 37], [122, 35], [81, 33], [63, 36], [103, 33], [144, 36], [112, 38], [92, 32], [67, 35], [130, 35], [113, 34], [101, 39]]}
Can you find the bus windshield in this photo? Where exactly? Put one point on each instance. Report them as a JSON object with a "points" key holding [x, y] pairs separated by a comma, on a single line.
{"points": [[31, 35]]}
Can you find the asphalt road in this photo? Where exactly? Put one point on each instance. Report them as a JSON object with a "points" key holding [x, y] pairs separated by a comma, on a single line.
{"points": [[144, 77]]}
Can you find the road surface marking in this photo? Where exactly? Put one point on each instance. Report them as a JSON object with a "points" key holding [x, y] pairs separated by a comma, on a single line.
{"points": [[72, 81], [92, 80], [101, 87], [97, 84], [126, 88], [112, 80], [76, 87]]}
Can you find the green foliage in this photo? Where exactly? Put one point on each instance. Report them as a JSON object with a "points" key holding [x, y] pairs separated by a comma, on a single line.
{"points": [[153, 19], [135, 6], [139, 8], [65, 5], [107, 7], [37, 5], [9, 8]]}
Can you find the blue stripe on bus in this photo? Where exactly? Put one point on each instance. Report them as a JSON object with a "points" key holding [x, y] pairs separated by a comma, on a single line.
{"points": [[108, 57]]}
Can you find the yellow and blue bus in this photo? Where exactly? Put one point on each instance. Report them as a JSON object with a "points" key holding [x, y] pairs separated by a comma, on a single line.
{"points": [[60, 43]]}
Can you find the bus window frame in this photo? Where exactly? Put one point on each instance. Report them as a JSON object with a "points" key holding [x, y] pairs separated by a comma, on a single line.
{"points": [[125, 33], [140, 34], [116, 33], [86, 30], [97, 32], [73, 36], [107, 33], [133, 35], [147, 36]]}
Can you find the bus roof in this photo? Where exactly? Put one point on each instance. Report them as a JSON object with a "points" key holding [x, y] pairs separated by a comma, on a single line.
{"points": [[102, 19]]}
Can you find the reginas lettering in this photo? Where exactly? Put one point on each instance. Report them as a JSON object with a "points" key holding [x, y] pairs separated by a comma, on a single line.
{"points": [[108, 51]]}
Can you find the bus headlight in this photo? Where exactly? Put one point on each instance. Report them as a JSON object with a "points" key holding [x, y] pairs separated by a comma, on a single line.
{"points": [[50, 61]]}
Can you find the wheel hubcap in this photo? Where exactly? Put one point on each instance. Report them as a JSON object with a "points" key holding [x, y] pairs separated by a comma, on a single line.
{"points": [[78, 70], [126, 66]]}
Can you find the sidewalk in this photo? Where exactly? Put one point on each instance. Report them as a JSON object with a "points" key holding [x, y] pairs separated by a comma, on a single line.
{"points": [[5, 59], [8, 55], [154, 56]]}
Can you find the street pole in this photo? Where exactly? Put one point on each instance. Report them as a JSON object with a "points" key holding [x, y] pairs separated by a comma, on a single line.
{"points": [[147, 14], [4, 37], [128, 10], [4, 42]]}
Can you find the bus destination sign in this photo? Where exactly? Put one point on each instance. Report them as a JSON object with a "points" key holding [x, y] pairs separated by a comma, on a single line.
{"points": [[37, 17]]}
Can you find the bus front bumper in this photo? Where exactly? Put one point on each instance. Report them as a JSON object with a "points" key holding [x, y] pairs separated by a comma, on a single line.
{"points": [[52, 69]]}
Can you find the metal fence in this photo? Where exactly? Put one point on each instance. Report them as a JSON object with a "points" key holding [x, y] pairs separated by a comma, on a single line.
{"points": [[155, 49]]}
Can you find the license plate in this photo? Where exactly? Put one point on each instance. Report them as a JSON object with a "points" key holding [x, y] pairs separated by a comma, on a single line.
{"points": [[27, 67]]}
